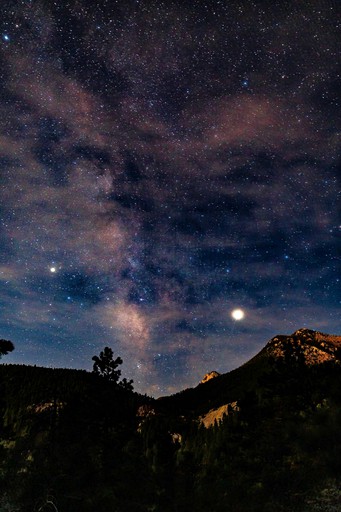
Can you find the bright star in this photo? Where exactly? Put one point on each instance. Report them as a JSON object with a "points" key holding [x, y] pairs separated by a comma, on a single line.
{"points": [[53, 269], [6, 37], [238, 314]]}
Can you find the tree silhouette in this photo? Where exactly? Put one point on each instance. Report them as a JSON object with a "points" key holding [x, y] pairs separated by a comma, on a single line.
{"points": [[106, 366], [5, 347]]}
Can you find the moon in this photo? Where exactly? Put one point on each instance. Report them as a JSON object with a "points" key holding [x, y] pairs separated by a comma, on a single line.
{"points": [[238, 314]]}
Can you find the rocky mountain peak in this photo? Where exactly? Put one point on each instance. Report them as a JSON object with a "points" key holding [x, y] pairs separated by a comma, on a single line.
{"points": [[315, 346], [209, 376], [304, 331]]}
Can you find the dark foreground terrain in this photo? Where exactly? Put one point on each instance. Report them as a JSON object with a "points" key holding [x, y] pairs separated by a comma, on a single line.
{"points": [[263, 437]]}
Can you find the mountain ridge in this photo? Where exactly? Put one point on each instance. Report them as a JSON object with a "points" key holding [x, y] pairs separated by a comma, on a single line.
{"points": [[310, 346]]}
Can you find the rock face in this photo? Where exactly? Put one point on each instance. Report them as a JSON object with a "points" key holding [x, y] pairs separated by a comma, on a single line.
{"points": [[314, 346], [218, 414], [209, 376]]}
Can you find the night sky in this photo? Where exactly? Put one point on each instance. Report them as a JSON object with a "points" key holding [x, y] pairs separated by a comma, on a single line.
{"points": [[162, 164]]}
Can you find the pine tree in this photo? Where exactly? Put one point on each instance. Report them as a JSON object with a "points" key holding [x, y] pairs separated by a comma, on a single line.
{"points": [[5, 347], [106, 366]]}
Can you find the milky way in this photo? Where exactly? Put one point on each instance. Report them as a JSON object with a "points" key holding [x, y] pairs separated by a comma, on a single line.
{"points": [[163, 164]]}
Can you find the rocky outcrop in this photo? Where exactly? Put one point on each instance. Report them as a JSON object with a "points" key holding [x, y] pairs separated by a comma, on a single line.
{"points": [[46, 406], [216, 415], [209, 376], [145, 410], [176, 438]]}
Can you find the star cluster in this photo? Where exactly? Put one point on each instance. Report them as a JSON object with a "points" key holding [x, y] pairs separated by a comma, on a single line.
{"points": [[163, 164]]}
